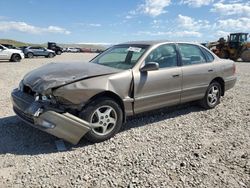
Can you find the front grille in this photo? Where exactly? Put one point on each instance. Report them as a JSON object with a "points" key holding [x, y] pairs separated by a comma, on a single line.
{"points": [[24, 116]]}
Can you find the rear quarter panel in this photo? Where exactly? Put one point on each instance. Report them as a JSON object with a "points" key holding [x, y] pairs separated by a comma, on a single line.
{"points": [[228, 73]]}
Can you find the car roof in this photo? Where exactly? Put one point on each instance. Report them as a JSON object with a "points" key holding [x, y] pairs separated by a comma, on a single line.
{"points": [[35, 47], [155, 42], [145, 42], [7, 44]]}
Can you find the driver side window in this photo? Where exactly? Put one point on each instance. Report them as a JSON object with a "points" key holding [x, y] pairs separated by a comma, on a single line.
{"points": [[165, 55]]}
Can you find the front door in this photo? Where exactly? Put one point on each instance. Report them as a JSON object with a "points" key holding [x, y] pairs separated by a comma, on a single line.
{"points": [[4, 53], [158, 88]]}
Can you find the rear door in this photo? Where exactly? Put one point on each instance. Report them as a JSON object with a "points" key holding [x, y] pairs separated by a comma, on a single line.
{"points": [[158, 88], [33, 50], [197, 72]]}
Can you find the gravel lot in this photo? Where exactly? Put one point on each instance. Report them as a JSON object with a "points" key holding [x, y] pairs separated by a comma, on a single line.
{"points": [[182, 146]]}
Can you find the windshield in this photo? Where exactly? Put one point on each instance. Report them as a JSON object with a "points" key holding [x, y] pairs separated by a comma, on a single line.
{"points": [[121, 56]]}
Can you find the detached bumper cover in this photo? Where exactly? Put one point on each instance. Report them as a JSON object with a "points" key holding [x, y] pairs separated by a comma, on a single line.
{"points": [[61, 125]]}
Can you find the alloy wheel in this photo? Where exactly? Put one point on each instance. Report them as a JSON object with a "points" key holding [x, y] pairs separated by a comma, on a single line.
{"points": [[213, 95], [103, 120]]}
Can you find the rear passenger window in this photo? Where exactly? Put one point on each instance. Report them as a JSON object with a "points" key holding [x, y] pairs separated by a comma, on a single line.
{"points": [[209, 56], [191, 54]]}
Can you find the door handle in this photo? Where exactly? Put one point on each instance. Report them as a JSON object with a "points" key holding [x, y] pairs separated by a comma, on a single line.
{"points": [[175, 75], [210, 70]]}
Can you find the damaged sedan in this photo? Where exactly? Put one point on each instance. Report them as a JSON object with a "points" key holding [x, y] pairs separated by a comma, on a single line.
{"points": [[93, 99]]}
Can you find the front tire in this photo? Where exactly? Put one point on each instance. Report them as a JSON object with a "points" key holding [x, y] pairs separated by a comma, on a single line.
{"points": [[15, 58], [105, 117], [59, 52], [212, 97]]}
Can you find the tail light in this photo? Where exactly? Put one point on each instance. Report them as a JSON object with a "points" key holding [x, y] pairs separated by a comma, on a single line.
{"points": [[234, 69]]}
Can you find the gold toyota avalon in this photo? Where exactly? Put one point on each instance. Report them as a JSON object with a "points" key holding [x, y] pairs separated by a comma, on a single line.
{"points": [[93, 99]]}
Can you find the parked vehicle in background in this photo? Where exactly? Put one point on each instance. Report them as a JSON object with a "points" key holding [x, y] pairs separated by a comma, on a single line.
{"points": [[71, 49], [69, 100], [13, 55], [99, 51], [64, 49], [10, 46], [23, 47], [57, 49], [32, 51], [90, 50]]}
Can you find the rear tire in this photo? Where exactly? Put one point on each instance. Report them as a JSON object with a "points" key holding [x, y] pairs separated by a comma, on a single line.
{"points": [[58, 52], [212, 96], [30, 55], [105, 116], [15, 58]]}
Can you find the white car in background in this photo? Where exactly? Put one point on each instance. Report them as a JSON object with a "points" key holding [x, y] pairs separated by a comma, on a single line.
{"points": [[10, 54], [73, 50]]}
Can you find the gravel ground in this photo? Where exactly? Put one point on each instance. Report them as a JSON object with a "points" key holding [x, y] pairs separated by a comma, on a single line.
{"points": [[182, 146]]}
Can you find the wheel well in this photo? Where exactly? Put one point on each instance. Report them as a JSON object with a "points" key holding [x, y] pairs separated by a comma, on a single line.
{"points": [[15, 54], [221, 82], [112, 96], [28, 53]]}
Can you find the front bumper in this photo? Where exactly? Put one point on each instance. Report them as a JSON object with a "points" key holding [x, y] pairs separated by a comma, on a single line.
{"points": [[36, 114], [22, 55]]}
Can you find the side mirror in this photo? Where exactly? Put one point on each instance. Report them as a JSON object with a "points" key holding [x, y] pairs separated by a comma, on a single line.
{"points": [[150, 66]]}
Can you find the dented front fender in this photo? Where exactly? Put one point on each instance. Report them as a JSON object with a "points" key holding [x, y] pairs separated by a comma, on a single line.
{"points": [[78, 93]]}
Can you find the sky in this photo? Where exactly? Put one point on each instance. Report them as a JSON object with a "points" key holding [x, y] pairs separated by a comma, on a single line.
{"points": [[115, 21]]}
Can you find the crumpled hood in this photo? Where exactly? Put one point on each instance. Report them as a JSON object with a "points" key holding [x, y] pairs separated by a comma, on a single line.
{"points": [[57, 74]]}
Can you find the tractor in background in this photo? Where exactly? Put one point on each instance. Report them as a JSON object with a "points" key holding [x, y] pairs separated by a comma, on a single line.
{"points": [[57, 49], [237, 46]]}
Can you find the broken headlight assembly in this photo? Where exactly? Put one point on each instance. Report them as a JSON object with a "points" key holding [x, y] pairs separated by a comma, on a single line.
{"points": [[47, 99]]}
